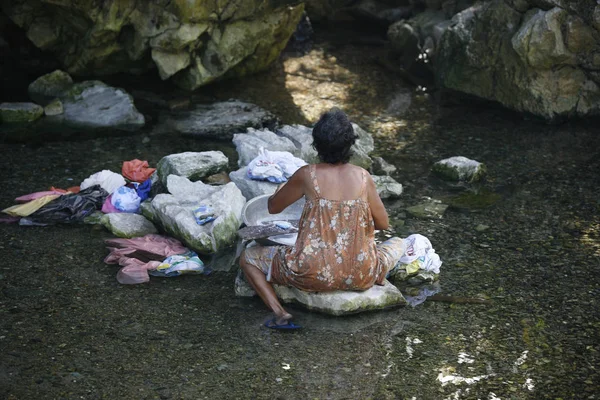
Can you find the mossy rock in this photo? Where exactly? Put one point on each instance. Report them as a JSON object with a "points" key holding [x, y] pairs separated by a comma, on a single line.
{"points": [[460, 169], [20, 112], [50, 86]]}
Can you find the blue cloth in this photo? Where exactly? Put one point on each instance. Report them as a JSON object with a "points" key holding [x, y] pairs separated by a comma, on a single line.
{"points": [[143, 189], [204, 214]]}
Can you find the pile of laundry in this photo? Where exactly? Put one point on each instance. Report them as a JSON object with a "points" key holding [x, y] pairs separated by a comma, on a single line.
{"points": [[154, 255], [104, 190], [273, 166]]}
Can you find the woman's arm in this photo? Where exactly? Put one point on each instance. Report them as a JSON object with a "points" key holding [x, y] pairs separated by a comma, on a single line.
{"points": [[380, 216], [291, 191]]}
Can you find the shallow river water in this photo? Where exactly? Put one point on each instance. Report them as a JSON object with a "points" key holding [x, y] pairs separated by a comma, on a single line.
{"points": [[69, 330]]}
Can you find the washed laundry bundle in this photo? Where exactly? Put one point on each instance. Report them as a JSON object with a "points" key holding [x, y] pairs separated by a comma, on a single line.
{"points": [[69, 208], [140, 255], [273, 166], [204, 214], [137, 170], [126, 199], [108, 180]]}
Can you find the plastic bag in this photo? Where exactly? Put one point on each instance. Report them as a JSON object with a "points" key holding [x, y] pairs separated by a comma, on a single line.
{"points": [[273, 166], [70, 208], [420, 250], [108, 180], [180, 264], [126, 200]]}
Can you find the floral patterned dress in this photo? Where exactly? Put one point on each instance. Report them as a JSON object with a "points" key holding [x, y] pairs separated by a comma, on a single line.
{"points": [[335, 249]]}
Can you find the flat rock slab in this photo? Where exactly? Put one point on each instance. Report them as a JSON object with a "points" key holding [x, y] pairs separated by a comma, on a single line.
{"points": [[95, 105], [460, 169], [20, 112], [333, 303], [251, 188], [217, 121], [126, 225], [428, 210], [191, 165], [387, 187]]}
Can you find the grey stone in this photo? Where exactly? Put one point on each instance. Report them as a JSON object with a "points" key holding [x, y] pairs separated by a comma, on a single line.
{"points": [[50, 86], [191, 165], [170, 63], [333, 303], [93, 105], [218, 120], [126, 225], [55, 107], [431, 209], [174, 213], [251, 188], [20, 112], [249, 144], [539, 62], [387, 187], [460, 169], [382, 167]]}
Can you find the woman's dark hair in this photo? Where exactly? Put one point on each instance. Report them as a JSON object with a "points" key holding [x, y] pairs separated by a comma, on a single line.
{"points": [[333, 136]]}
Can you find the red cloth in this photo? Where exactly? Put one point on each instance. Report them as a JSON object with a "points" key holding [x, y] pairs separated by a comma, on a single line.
{"points": [[137, 170]]}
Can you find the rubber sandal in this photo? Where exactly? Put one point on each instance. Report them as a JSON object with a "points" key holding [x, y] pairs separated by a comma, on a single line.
{"points": [[288, 326]]}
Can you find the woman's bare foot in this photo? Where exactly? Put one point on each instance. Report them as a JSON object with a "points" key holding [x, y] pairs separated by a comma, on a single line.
{"points": [[283, 318]]}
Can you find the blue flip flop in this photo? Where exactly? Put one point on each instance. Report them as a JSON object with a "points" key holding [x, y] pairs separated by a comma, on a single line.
{"points": [[288, 326]]}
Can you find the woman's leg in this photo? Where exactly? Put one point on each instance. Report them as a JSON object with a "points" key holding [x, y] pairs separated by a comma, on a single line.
{"points": [[256, 277], [389, 253]]}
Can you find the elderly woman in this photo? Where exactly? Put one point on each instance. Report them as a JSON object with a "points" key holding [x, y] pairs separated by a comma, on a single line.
{"points": [[335, 249]]}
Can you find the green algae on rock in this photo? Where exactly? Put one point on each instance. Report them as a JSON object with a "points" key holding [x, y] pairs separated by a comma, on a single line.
{"points": [[50, 86], [460, 169], [127, 225], [20, 112]]}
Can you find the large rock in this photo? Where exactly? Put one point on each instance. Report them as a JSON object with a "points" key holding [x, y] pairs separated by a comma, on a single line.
{"points": [[460, 169], [333, 303], [191, 165], [539, 61], [193, 42], [95, 105], [251, 188], [20, 112], [218, 120], [249, 144], [387, 187], [126, 225], [50, 86], [174, 213]]}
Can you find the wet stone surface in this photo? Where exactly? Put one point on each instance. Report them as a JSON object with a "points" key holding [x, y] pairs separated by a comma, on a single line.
{"points": [[69, 330]]}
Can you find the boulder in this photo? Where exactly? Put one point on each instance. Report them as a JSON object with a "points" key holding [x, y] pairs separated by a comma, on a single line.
{"points": [[95, 105], [192, 42], [460, 169], [126, 225], [191, 165], [55, 107], [251, 188], [382, 167], [333, 303], [173, 212], [430, 209], [538, 61], [248, 144], [50, 86], [218, 120], [20, 112], [387, 187]]}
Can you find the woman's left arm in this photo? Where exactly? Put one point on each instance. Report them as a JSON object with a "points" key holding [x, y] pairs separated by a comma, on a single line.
{"points": [[289, 193]]}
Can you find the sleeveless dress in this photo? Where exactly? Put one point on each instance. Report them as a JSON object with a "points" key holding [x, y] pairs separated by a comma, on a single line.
{"points": [[335, 249]]}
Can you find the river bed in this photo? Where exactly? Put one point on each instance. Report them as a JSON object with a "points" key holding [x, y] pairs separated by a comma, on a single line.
{"points": [[527, 239]]}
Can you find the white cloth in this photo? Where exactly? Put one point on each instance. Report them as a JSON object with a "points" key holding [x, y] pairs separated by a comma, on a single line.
{"points": [[274, 166], [108, 180], [418, 247]]}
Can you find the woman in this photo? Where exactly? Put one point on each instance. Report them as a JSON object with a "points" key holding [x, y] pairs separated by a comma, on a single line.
{"points": [[335, 249]]}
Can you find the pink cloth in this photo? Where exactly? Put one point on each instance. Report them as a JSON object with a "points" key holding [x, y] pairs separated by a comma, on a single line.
{"points": [[139, 255], [32, 196], [108, 207]]}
